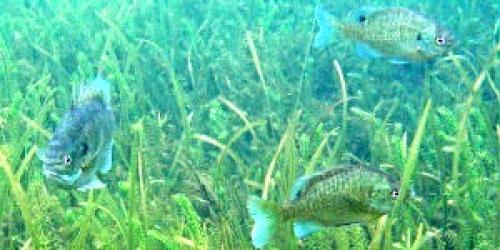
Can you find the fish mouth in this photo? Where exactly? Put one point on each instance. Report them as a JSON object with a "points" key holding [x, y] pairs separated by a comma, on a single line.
{"points": [[49, 160], [385, 209], [451, 40], [61, 179]]}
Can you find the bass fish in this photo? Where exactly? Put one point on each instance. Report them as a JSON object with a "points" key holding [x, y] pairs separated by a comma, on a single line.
{"points": [[333, 197], [81, 146], [396, 34]]}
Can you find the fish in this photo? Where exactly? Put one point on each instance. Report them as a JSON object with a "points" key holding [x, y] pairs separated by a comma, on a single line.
{"points": [[80, 149], [342, 195], [396, 34]]}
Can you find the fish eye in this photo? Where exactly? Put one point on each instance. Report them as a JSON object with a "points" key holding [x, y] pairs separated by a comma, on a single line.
{"points": [[440, 40], [362, 19], [67, 160], [394, 193]]}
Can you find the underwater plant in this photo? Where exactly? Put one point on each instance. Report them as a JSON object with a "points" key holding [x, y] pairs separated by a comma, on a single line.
{"points": [[216, 101]]}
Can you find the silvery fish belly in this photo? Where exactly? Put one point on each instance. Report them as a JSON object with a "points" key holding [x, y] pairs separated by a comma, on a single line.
{"points": [[81, 146]]}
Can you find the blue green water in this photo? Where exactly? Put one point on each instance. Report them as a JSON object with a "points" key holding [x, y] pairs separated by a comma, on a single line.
{"points": [[215, 101]]}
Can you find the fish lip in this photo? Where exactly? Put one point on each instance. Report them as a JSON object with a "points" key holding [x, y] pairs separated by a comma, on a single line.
{"points": [[453, 42], [451, 39]]}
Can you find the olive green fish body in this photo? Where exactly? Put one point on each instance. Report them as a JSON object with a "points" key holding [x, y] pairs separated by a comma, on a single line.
{"points": [[334, 197], [393, 33]]}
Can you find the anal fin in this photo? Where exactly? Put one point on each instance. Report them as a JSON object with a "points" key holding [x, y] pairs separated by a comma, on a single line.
{"points": [[93, 183], [303, 228]]}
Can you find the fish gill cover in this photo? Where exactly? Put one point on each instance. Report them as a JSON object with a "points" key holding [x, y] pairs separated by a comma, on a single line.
{"points": [[217, 104]]}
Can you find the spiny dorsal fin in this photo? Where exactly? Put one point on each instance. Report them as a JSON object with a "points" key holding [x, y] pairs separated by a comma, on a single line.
{"points": [[299, 186], [99, 86]]}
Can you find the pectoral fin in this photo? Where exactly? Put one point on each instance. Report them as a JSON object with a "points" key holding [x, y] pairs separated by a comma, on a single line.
{"points": [[398, 61], [93, 183], [365, 51], [108, 161]]}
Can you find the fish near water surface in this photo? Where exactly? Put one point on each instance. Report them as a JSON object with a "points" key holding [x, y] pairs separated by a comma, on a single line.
{"points": [[334, 197], [81, 146], [394, 33]]}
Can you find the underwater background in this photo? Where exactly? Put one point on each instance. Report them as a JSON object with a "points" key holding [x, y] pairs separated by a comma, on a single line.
{"points": [[218, 100]]}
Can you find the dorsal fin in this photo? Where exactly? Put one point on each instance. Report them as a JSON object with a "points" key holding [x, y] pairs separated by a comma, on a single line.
{"points": [[299, 186], [99, 86]]}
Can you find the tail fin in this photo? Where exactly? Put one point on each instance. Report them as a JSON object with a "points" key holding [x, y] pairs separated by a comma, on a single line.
{"points": [[266, 219], [325, 23]]}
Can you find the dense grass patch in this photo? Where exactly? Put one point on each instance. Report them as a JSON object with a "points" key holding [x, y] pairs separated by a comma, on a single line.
{"points": [[218, 100]]}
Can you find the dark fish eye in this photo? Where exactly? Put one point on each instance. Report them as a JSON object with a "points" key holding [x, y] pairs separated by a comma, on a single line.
{"points": [[440, 40], [394, 193], [362, 19], [419, 37], [67, 160]]}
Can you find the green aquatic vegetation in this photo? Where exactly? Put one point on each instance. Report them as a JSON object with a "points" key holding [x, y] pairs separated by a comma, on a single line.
{"points": [[341, 237], [358, 238], [343, 87], [287, 141], [410, 164], [309, 168], [194, 228], [19, 194], [218, 100]]}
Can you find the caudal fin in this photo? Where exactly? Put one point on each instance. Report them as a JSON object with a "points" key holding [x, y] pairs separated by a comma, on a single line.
{"points": [[325, 23], [266, 221]]}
